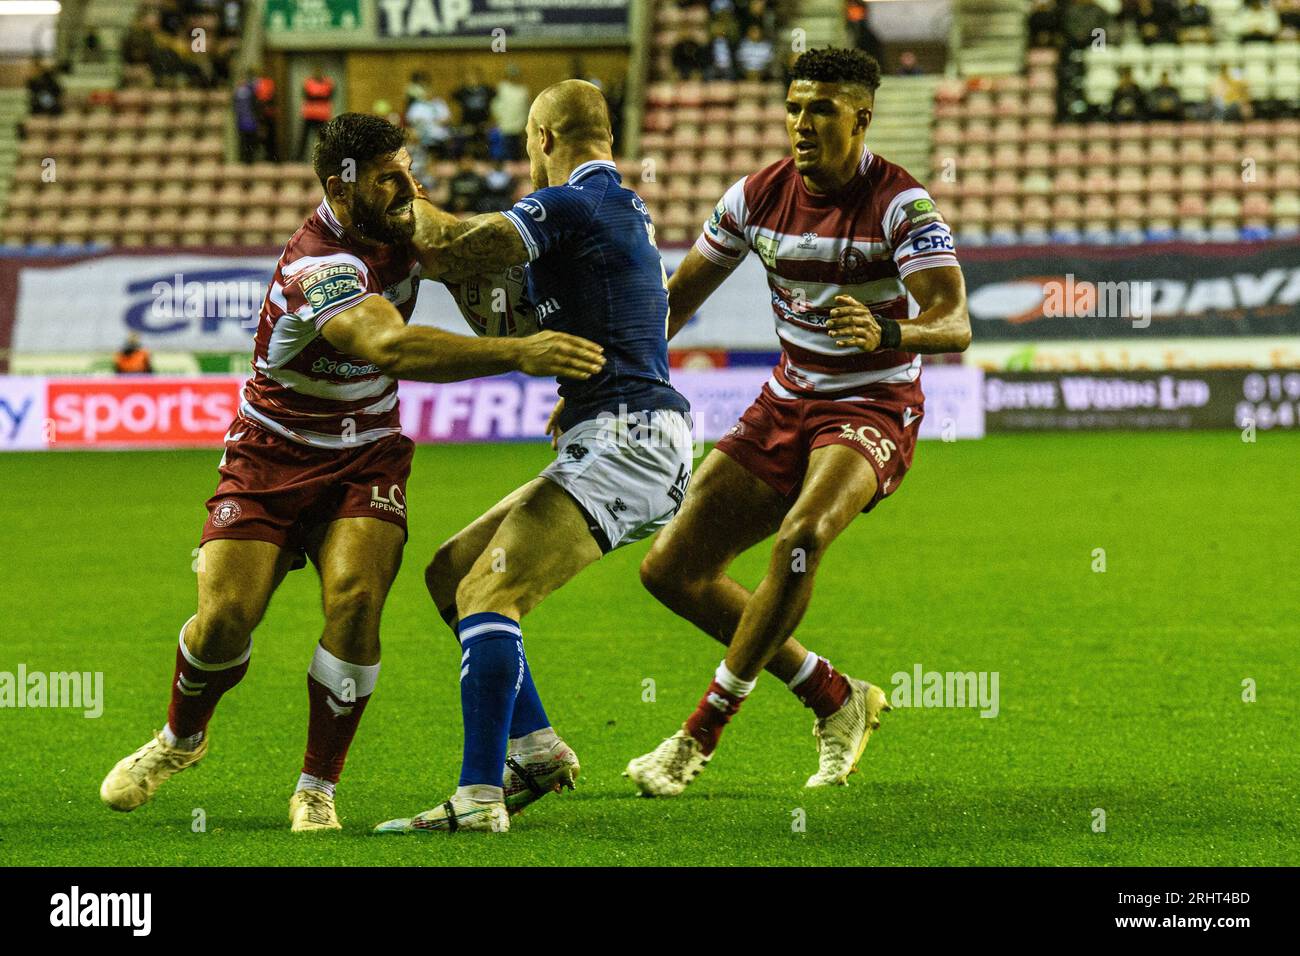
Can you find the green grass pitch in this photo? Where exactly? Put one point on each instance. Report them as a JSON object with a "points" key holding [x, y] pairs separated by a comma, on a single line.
{"points": [[1120, 691]]}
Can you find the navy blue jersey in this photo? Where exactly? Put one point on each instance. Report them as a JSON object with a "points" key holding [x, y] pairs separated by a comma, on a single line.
{"points": [[594, 271]]}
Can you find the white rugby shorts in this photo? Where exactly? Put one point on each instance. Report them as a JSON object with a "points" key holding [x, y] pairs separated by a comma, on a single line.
{"points": [[628, 473]]}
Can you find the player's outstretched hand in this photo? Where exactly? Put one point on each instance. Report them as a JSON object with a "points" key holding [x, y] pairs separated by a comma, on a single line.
{"points": [[553, 424], [560, 355], [852, 325]]}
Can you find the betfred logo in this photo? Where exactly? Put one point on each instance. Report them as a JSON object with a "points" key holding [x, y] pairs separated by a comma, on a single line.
{"points": [[142, 412]]}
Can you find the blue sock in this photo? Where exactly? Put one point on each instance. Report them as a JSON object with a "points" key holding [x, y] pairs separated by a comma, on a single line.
{"points": [[529, 714], [492, 667]]}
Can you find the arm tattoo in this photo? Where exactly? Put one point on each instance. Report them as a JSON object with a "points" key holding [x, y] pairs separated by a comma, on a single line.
{"points": [[475, 246]]}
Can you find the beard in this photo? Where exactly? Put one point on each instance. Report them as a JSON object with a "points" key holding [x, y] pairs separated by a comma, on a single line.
{"points": [[377, 223]]}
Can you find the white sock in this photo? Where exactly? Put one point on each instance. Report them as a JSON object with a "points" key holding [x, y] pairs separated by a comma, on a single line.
{"points": [[307, 782], [190, 743], [805, 670], [480, 793], [731, 683], [542, 739], [344, 680]]}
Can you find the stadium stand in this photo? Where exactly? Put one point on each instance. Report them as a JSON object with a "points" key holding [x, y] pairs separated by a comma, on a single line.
{"points": [[1041, 156]]}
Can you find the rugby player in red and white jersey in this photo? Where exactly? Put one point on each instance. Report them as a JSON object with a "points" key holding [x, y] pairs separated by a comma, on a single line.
{"points": [[315, 464], [848, 239]]}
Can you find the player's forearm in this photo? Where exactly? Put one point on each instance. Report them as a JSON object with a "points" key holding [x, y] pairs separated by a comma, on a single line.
{"points": [[451, 249], [941, 329], [432, 355]]}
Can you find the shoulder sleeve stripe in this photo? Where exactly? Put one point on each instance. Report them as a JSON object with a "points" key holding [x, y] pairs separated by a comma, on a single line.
{"points": [[931, 261], [717, 254], [529, 242]]}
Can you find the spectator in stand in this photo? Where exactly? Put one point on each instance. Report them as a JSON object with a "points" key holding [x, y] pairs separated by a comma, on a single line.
{"points": [[133, 358], [690, 58], [1164, 102], [474, 97], [1194, 23], [907, 65], [1256, 23], [754, 54], [1043, 28], [723, 13], [498, 189], [268, 114], [138, 49], [317, 109], [1288, 14], [721, 67], [860, 33], [417, 90], [1080, 22], [1128, 104], [45, 92], [615, 94], [248, 124], [510, 110], [466, 187], [1156, 21], [429, 121], [1229, 97], [758, 12]]}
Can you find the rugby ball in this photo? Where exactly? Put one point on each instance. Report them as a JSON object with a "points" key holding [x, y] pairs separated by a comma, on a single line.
{"points": [[494, 305]]}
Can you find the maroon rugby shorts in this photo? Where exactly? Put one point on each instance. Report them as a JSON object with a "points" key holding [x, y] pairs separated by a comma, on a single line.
{"points": [[775, 436], [277, 490]]}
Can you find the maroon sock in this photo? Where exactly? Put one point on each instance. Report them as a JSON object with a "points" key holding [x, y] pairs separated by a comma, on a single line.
{"points": [[824, 691], [331, 724], [712, 714], [196, 688]]}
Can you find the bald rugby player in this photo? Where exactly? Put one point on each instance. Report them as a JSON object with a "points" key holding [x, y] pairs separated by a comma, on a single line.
{"points": [[623, 459]]}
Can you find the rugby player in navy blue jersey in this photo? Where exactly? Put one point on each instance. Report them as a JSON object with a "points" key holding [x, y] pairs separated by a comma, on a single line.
{"points": [[623, 457]]}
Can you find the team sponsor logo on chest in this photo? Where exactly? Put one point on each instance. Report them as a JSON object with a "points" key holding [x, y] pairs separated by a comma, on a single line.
{"points": [[342, 368], [331, 284]]}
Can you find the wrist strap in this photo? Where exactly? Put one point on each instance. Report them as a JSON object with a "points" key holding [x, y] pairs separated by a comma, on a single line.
{"points": [[891, 334]]}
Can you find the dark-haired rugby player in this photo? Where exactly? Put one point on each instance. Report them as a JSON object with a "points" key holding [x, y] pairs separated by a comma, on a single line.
{"points": [[863, 280], [315, 461]]}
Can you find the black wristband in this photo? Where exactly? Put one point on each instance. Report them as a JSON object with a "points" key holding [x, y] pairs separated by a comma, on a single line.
{"points": [[891, 334]]}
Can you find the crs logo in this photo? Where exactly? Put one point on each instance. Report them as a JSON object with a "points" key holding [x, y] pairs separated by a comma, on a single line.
{"points": [[394, 501], [878, 447], [536, 211]]}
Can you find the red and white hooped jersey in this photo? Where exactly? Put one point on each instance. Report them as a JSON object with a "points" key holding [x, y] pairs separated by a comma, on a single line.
{"points": [[302, 387], [861, 241]]}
